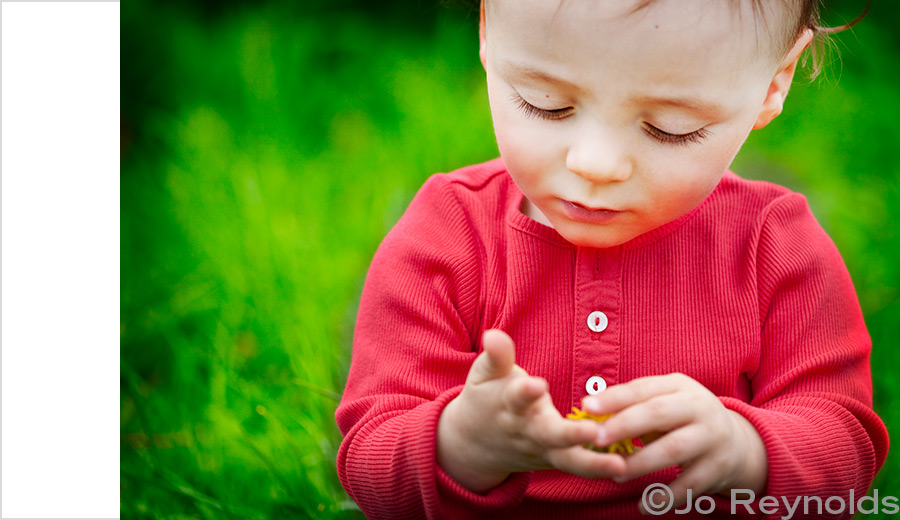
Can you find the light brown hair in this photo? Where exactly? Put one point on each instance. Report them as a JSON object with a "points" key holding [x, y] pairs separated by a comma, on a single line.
{"points": [[806, 14]]}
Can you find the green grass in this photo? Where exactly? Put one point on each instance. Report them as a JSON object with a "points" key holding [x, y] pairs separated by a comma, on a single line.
{"points": [[265, 153]]}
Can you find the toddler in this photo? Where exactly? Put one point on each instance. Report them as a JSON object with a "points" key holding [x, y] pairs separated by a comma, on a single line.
{"points": [[609, 260]]}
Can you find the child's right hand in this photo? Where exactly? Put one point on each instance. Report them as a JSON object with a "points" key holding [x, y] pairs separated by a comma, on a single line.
{"points": [[504, 421]]}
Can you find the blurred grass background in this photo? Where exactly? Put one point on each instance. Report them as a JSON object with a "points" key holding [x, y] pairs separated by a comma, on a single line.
{"points": [[267, 148]]}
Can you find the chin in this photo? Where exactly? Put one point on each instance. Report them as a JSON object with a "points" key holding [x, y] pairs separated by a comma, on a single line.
{"points": [[595, 238]]}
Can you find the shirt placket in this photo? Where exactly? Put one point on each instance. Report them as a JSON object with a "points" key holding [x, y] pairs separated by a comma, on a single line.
{"points": [[597, 321]]}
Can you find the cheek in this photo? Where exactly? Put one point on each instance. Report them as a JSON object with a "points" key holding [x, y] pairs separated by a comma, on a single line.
{"points": [[522, 143], [680, 185], [519, 138]]}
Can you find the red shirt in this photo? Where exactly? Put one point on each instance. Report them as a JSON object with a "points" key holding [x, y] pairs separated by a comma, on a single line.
{"points": [[745, 293]]}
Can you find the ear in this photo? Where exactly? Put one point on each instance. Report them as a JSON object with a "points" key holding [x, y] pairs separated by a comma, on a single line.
{"points": [[482, 48], [778, 89]]}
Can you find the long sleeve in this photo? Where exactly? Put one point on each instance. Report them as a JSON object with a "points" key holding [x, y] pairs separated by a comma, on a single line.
{"points": [[414, 342], [812, 392], [746, 294]]}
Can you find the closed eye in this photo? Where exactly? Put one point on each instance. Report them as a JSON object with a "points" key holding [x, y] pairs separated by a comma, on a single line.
{"points": [[679, 139], [540, 113]]}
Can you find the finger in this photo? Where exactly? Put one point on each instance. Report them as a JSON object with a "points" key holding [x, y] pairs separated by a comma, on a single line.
{"points": [[699, 478], [674, 448], [556, 432], [661, 413], [621, 396], [497, 358], [522, 392], [586, 463]]}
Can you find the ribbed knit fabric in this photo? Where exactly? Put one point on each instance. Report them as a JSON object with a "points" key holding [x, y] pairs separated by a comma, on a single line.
{"points": [[745, 293]]}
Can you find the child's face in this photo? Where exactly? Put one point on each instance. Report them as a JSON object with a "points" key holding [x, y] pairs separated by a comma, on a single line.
{"points": [[613, 124]]}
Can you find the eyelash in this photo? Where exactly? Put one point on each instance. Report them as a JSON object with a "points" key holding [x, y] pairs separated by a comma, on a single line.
{"points": [[540, 113], [678, 139], [659, 135]]}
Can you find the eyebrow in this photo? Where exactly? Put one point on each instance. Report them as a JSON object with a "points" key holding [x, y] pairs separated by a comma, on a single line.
{"points": [[695, 105], [521, 70]]}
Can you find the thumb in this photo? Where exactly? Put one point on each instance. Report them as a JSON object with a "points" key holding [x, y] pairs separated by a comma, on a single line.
{"points": [[496, 360]]}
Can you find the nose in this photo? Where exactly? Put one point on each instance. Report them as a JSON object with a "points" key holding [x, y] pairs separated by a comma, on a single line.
{"points": [[599, 157]]}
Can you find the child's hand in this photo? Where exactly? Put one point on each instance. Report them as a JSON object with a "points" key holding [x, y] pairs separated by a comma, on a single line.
{"points": [[717, 448], [504, 421]]}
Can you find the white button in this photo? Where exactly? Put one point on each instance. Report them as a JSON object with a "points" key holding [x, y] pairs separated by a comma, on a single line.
{"points": [[595, 385], [597, 321]]}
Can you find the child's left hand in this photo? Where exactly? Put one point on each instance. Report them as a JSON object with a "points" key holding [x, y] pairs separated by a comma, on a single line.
{"points": [[717, 448]]}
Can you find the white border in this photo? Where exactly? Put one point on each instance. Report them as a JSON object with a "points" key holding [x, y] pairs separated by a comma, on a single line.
{"points": [[60, 259]]}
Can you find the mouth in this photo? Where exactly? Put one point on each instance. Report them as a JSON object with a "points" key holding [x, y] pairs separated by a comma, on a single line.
{"points": [[583, 213]]}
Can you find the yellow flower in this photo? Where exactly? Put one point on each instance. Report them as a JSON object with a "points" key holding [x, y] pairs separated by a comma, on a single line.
{"points": [[624, 446]]}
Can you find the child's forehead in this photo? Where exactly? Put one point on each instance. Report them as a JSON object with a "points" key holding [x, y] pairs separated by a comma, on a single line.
{"points": [[675, 49], [745, 25]]}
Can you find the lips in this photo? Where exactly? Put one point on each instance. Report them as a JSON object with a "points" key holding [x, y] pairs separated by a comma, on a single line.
{"points": [[582, 213]]}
